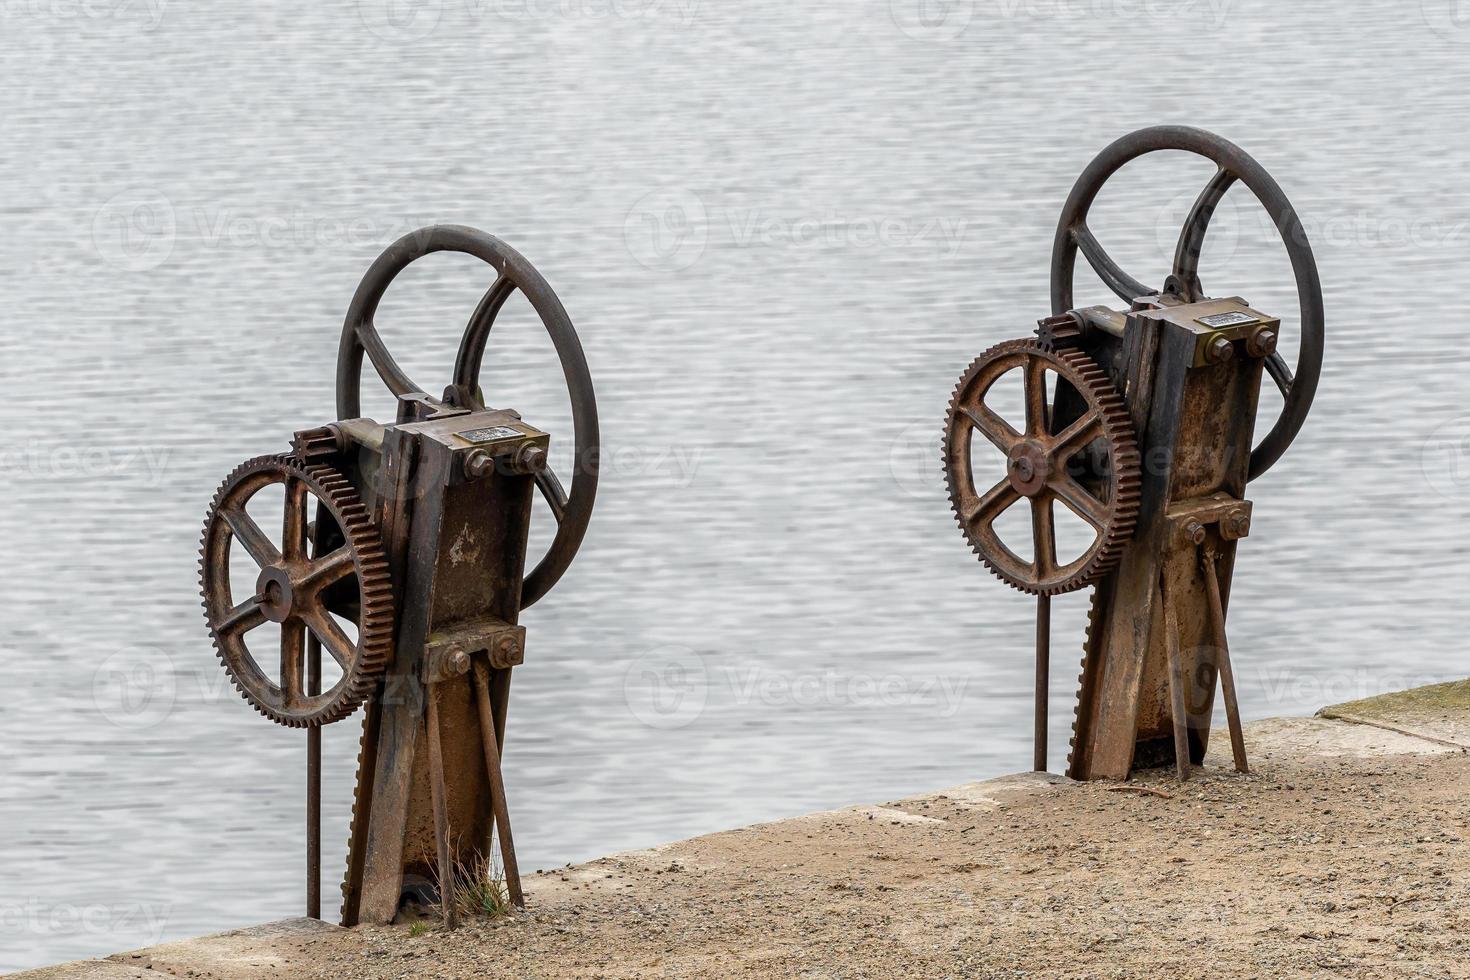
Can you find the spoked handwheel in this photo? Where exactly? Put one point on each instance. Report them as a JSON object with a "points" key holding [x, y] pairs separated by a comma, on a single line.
{"points": [[1086, 461], [298, 590], [1235, 165], [571, 509]]}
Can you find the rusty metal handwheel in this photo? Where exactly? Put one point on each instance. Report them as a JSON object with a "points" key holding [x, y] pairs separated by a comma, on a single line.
{"points": [[1040, 467], [571, 508], [1235, 166], [291, 590]]}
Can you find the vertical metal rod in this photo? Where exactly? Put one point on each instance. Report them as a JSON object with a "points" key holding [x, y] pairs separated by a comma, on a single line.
{"points": [[1227, 675], [313, 785], [1043, 679], [447, 870], [498, 805], [1176, 686]]}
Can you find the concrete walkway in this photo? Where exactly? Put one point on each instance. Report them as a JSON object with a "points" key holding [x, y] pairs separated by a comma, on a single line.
{"points": [[1343, 853]]}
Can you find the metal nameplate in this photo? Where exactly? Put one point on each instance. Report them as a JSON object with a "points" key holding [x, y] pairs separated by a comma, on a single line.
{"points": [[1220, 321], [495, 433]]}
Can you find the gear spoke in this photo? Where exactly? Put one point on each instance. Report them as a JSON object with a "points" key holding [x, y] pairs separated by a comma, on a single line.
{"points": [[248, 533], [995, 503], [1079, 436], [293, 531], [243, 618], [1082, 503], [329, 570], [332, 636], [1037, 421], [293, 661], [1043, 536], [991, 426]]}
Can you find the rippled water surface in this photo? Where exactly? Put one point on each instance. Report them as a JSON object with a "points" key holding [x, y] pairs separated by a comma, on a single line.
{"points": [[782, 230]]}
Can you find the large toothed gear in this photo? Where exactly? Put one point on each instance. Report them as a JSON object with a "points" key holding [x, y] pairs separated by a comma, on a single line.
{"points": [[294, 588], [1091, 466]]}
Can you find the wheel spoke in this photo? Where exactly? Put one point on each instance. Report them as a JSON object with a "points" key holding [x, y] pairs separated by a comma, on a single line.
{"points": [[293, 661], [1192, 237], [993, 504], [1082, 503], [393, 376], [1280, 373], [1121, 283], [1079, 436], [552, 490], [242, 619], [1043, 536], [1037, 422], [293, 532], [249, 534], [991, 426], [328, 571], [332, 637]]}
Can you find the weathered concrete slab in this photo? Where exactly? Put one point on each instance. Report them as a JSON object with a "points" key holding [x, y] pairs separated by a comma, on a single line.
{"points": [[278, 949], [1440, 713], [85, 970]]}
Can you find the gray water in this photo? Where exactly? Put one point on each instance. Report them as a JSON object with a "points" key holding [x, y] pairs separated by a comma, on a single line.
{"points": [[782, 230]]}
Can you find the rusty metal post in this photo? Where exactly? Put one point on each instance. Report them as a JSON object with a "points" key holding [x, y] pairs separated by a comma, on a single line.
{"points": [[441, 810], [1043, 679], [1227, 674], [313, 786], [498, 803]]}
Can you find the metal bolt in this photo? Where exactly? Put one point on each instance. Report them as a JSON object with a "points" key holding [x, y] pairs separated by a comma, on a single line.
{"points": [[1262, 343], [1219, 351], [529, 460], [1195, 532], [458, 661], [479, 464]]}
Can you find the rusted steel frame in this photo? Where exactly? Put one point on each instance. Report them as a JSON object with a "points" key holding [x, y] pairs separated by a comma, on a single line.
{"points": [[1234, 164], [499, 806], [448, 870], [1227, 673], [359, 337]]}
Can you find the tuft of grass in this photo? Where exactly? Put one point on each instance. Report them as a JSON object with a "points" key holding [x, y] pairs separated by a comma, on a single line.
{"points": [[480, 890], [419, 929]]}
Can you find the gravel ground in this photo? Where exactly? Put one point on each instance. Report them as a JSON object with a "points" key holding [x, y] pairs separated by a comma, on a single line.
{"points": [[1351, 863]]}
